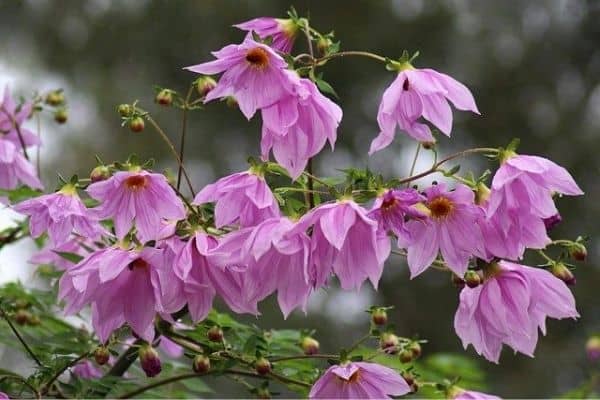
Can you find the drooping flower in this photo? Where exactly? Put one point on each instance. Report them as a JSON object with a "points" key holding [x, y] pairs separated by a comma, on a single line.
{"points": [[509, 308], [417, 93], [85, 369], [61, 214], [203, 280], [15, 169], [50, 255], [253, 74], [297, 127], [275, 257], [451, 228], [359, 380], [139, 197], [391, 208], [458, 393], [520, 204], [4, 396], [243, 198], [282, 31], [122, 286], [345, 241], [12, 118]]}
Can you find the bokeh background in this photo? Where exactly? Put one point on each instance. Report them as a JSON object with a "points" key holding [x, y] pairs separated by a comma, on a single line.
{"points": [[534, 68]]}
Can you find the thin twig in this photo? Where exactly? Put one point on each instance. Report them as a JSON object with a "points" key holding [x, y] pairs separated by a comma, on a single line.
{"points": [[304, 356], [18, 335], [414, 162], [18, 129], [58, 373], [183, 129], [38, 150]]}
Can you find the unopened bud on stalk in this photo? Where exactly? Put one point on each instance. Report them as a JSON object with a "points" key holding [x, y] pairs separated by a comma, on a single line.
{"points": [[100, 173], [125, 110], [61, 115], [472, 279], [562, 272], [408, 377], [201, 364], [379, 317], [389, 343], [406, 356], [215, 334], [428, 145], [578, 252], [204, 85], [592, 348], [482, 194], [309, 345], [101, 355], [23, 317], [136, 124], [323, 44], [150, 361], [415, 348], [55, 98], [231, 102], [164, 97], [262, 366]]}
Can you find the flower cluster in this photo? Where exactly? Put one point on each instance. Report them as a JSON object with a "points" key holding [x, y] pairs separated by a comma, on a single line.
{"points": [[146, 251]]}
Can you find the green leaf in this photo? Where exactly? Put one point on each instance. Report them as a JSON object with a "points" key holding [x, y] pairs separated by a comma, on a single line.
{"points": [[74, 258], [325, 87]]}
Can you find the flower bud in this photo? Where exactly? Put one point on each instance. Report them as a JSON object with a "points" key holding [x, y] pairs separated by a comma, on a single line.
{"points": [[414, 388], [323, 44], [406, 356], [201, 364], [389, 343], [415, 347], [150, 361], [205, 84], [578, 252], [55, 98], [379, 317], [262, 366], [482, 193], [408, 377], [61, 115], [164, 97], [215, 334], [428, 145], [34, 320], [552, 221], [309, 345], [458, 281], [592, 348], [136, 124], [22, 317], [101, 355], [472, 279], [563, 273], [125, 110], [231, 102], [100, 173]]}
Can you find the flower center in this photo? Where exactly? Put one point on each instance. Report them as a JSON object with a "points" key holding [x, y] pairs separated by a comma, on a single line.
{"points": [[440, 207], [405, 85], [351, 379], [136, 182], [257, 57], [388, 204], [138, 263]]}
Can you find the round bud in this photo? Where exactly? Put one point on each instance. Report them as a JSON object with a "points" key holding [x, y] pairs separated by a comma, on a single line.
{"points": [[323, 44], [204, 85], [55, 98], [215, 334], [408, 377], [406, 356], [578, 252], [592, 348], [428, 145], [414, 388], [458, 281], [472, 279], [20, 303], [379, 317], [231, 102], [201, 364], [150, 361], [101, 355], [164, 97], [563, 273], [34, 320], [415, 348], [61, 115], [100, 173], [309, 345], [262, 366], [136, 124], [125, 110], [389, 343], [22, 317]]}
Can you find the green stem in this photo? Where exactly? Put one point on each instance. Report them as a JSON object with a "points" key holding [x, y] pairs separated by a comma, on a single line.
{"points": [[359, 342], [20, 338], [304, 356], [414, 162], [183, 129], [58, 373]]}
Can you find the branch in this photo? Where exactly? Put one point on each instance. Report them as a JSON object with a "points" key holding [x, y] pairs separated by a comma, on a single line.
{"points": [[18, 335], [182, 140], [58, 373]]}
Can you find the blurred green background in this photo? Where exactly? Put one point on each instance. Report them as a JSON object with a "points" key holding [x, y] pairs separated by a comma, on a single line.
{"points": [[534, 68]]}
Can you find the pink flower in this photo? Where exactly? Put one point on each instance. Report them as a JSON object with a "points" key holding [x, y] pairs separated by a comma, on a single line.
{"points": [[61, 214], [170, 348], [275, 258], [452, 229], [297, 127], [15, 169], [4, 396], [457, 393], [345, 241], [392, 208], [253, 73], [420, 93], [243, 198], [143, 198], [359, 380], [122, 286], [87, 370], [49, 254], [203, 279], [509, 307], [521, 202], [12, 117], [282, 31]]}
